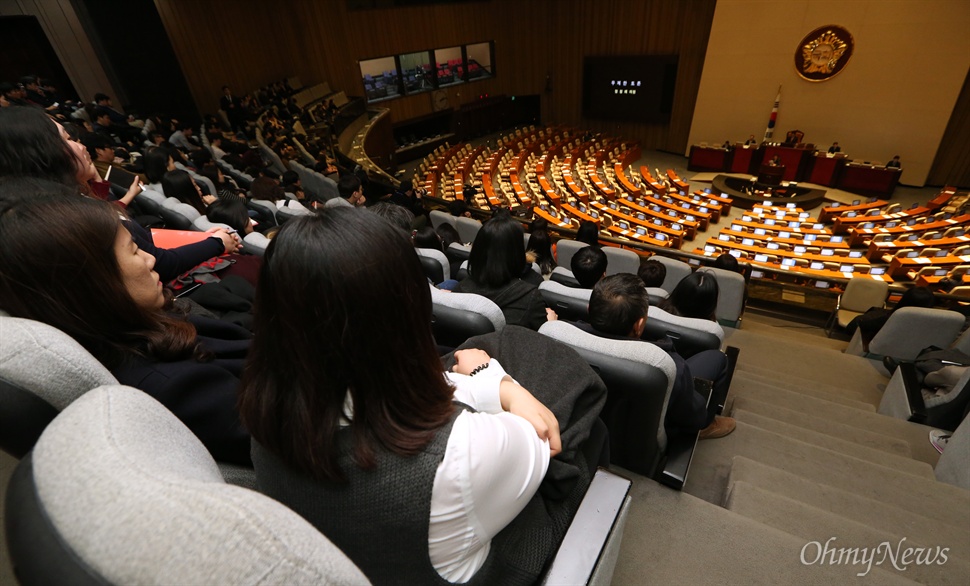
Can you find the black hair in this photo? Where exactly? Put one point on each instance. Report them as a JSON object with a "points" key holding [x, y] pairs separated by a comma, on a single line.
{"points": [[727, 262], [540, 243], [498, 253], [347, 185], [694, 296], [589, 265], [449, 235], [398, 216], [32, 147], [426, 237], [231, 212], [652, 273], [588, 232], [617, 302], [156, 164], [916, 297], [179, 184]]}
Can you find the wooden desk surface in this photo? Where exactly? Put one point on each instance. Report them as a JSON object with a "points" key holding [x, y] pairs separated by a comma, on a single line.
{"points": [[858, 234], [791, 241], [898, 267], [842, 260], [676, 235], [807, 272]]}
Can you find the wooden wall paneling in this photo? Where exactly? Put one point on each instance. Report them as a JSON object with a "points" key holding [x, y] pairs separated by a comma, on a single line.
{"points": [[952, 163]]}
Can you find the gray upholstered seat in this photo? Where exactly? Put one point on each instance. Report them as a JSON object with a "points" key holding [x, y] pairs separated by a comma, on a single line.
{"points": [[255, 243], [656, 295], [467, 228], [908, 331], [203, 224], [689, 335], [435, 263], [621, 261], [565, 276], [264, 206], [42, 371], [565, 250], [730, 299], [439, 217], [178, 215], [676, 270], [459, 316], [119, 491], [859, 296], [569, 303], [639, 377]]}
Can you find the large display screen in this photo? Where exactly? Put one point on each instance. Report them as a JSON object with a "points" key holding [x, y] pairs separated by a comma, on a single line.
{"points": [[637, 88]]}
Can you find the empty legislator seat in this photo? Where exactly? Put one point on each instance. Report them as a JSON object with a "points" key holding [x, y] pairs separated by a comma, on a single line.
{"points": [[565, 249], [569, 303], [455, 317], [439, 217], [859, 296], [119, 491], [621, 261], [908, 331], [564, 276], [639, 377], [467, 228], [689, 335]]}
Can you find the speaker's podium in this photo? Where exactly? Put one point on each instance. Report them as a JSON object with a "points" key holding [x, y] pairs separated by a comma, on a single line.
{"points": [[771, 174]]}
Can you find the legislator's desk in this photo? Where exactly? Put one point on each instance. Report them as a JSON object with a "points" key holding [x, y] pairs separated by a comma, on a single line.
{"points": [[829, 213], [900, 267], [869, 179], [708, 159], [825, 168], [741, 159], [806, 271], [861, 235], [877, 250], [791, 159], [839, 256], [763, 236]]}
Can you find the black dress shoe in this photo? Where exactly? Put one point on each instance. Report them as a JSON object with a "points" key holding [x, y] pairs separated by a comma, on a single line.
{"points": [[890, 363]]}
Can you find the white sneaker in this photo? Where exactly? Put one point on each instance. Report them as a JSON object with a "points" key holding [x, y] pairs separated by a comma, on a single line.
{"points": [[939, 439]]}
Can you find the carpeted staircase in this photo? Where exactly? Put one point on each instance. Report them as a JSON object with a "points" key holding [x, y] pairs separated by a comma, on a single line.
{"points": [[810, 460]]}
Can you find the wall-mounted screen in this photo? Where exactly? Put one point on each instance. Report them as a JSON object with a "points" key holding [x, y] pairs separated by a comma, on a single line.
{"points": [[637, 88], [380, 77]]}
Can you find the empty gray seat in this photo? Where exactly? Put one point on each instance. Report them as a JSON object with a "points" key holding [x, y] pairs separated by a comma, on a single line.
{"points": [[435, 263], [569, 303], [908, 331], [456, 317], [689, 335], [731, 294], [676, 270], [565, 250], [621, 261]]}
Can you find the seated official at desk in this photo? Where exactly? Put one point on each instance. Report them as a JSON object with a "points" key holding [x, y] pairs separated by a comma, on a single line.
{"points": [[894, 164], [835, 148]]}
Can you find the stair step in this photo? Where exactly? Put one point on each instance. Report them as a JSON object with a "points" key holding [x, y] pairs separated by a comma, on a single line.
{"points": [[900, 463], [746, 387], [819, 526], [667, 532], [712, 463], [850, 433], [909, 521], [806, 386], [917, 436]]}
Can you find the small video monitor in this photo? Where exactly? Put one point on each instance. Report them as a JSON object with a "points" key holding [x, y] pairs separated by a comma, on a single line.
{"points": [[612, 205], [723, 194], [747, 242], [745, 218], [759, 231], [827, 252], [757, 274], [703, 210], [835, 239], [800, 249], [641, 216], [657, 222], [942, 252], [784, 234], [761, 258], [594, 213], [772, 246], [790, 206], [851, 214], [543, 207], [817, 266], [766, 202], [940, 272], [735, 253], [912, 254], [707, 190], [660, 236], [695, 197], [811, 237], [676, 226], [624, 225], [655, 208], [856, 202], [689, 218], [803, 215], [835, 205], [822, 284], [788, 262], [685, 205], [868, 225], [724, 237], [737, 228], [847, 269], [793, 224], [855, 254], [582, 208], [769, 222], [912, 222], [878, 271], [694, 262], [642, 231], [672, 213], [709, 248], [818, 226], [780, 214]]}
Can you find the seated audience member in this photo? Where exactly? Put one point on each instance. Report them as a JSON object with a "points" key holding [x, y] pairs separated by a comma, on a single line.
{"points": [[652, 273], [231, 212], [835, 148], [105, 294], [449, 235], [694, 296], [35, 149], [103, 101], [495, 267], [226, 187], [182, 186], [157, 162], [103, 155], [350, 191], [870, 322], [589, 265], [397, 216], [215, 145], [414, 487], [751, 141], [181, 138], [540, 247], [266, 189], [459, 208], [407, 197], [618, 310], [427, 238], [588, 232], [728, 262]]}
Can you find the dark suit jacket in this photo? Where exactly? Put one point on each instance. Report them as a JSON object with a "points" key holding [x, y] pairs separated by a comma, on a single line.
{"points": [[201, 394]]}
